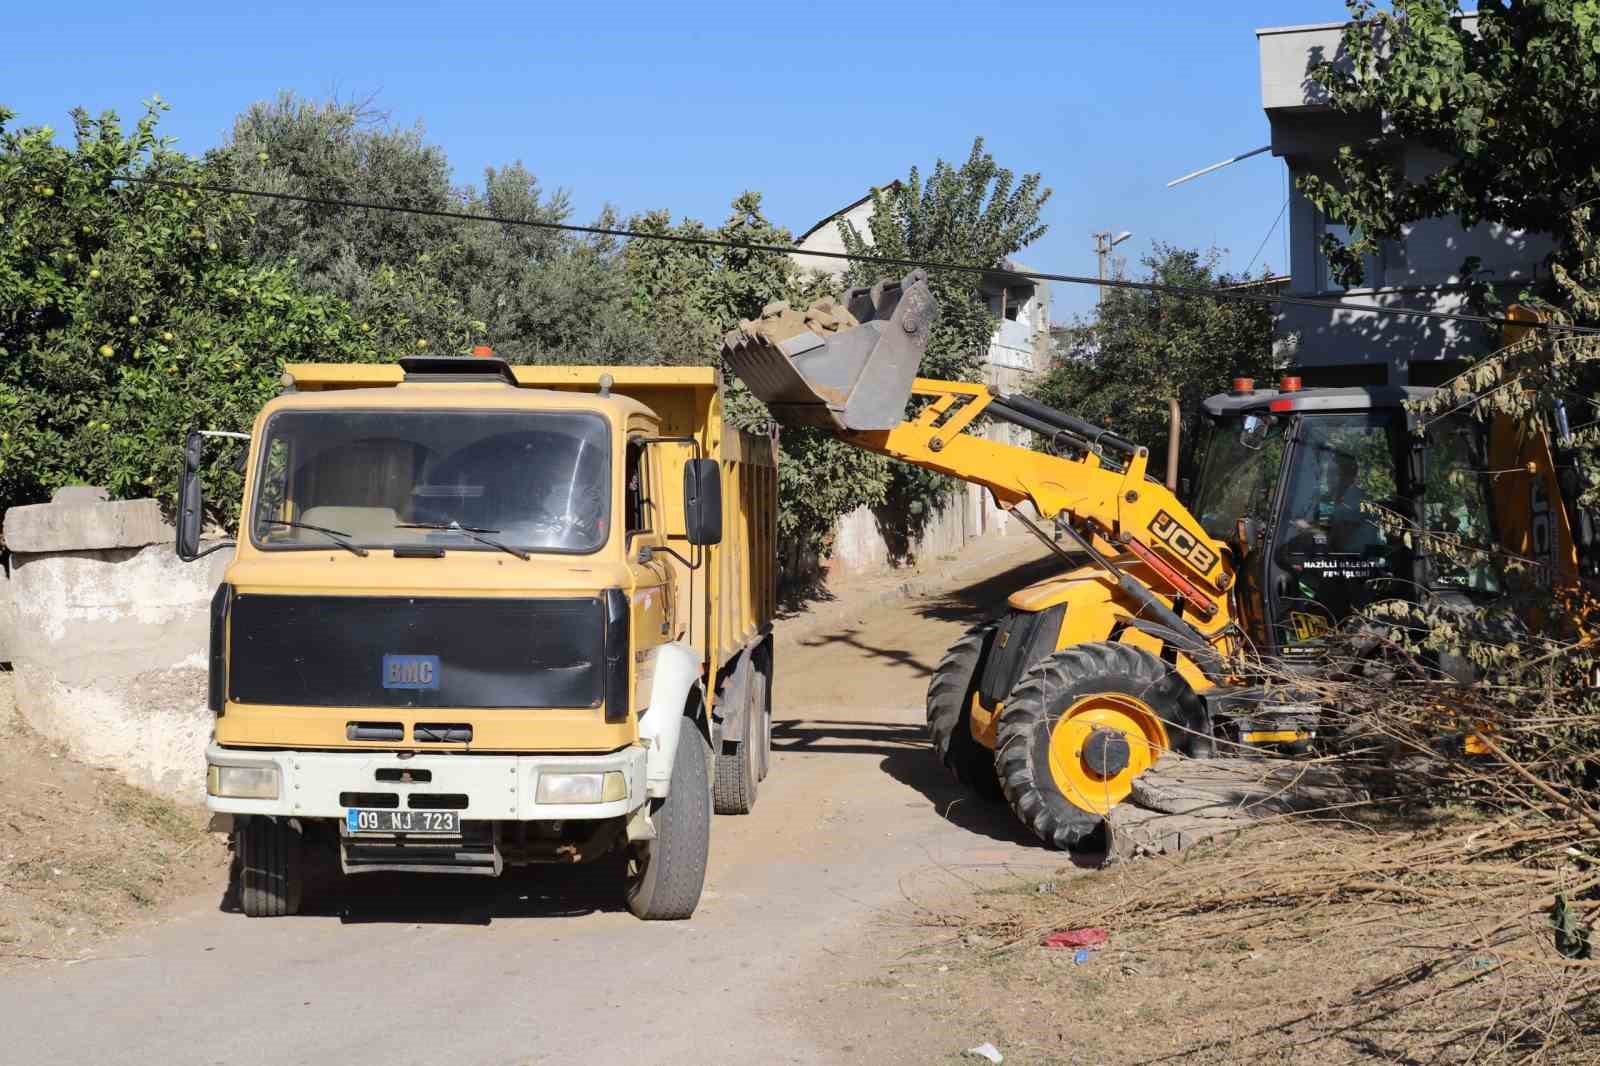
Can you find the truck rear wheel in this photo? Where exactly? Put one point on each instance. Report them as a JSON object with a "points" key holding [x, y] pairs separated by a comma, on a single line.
{"points": [[950, 696], [666, 874], [1080, 726], [271, 868], [736, 777]]}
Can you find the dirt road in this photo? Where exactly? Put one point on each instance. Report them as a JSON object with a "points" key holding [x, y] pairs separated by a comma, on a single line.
{"points": [[546, 967]]}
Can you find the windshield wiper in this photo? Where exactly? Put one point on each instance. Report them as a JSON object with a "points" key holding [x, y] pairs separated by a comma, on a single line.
{"points": [[470, 531], [339, 538]]}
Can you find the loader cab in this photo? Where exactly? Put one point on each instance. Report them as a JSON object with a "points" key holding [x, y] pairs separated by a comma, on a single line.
{"points": [[1321, 493]]}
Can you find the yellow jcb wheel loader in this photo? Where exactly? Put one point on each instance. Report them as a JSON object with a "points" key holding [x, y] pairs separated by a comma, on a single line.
{"points": [[1137, 648]]}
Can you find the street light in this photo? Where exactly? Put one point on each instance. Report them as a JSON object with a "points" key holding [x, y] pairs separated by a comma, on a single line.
{"points": [[1104, 242]]}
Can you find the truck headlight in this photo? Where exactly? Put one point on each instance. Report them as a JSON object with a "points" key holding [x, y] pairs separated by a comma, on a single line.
{"points": [[242, 782], [582, 788]]}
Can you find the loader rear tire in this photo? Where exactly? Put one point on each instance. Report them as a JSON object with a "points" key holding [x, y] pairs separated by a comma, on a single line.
{"points": [[666, 874], [1080, 726], [950, 695], [271, 868]]}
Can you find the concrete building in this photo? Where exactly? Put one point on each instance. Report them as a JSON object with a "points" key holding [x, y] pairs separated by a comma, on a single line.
{"points": [[1019, 349], [1420, 270]]}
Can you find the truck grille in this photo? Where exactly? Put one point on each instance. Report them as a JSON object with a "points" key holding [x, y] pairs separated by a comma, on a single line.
{"points": [[330, 651]]}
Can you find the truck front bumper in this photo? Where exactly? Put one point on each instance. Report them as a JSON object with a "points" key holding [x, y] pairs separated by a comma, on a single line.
{"points": [[317, 784]]}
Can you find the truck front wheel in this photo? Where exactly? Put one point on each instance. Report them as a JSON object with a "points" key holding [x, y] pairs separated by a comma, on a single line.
{"points": [[665, 875], [271, 867]]}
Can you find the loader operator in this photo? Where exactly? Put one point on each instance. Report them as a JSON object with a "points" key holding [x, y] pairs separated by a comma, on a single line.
{"points": [[1327, 583], [1334, 516]]}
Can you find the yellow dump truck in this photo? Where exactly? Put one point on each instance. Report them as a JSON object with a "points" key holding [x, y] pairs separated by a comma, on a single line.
{"points": [[481, 615]]}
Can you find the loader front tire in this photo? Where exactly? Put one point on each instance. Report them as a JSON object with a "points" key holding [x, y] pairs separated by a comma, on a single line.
{"points": [[666, 874], [271, 867], [1080, 726], [950, 695]]}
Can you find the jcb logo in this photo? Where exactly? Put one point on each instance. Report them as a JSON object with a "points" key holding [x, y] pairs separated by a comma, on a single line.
{"points": [[1185, 544], [1307, 626]]}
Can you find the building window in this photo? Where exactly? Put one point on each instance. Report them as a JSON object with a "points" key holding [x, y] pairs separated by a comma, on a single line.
{"points": [[1371, 265]]}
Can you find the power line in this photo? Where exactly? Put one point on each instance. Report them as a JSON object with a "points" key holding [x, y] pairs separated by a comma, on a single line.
{"points": [[1273, 229], [879, 260]]}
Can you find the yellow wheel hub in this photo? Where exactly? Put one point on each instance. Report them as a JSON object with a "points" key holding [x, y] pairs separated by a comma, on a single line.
{"points": [[1126, 727]]}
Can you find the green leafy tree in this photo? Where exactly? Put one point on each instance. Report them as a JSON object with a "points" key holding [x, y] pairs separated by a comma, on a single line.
{"points": [[131, 313], [1119, 366], [690, 296], [974, 214], [531, 293], [1511, 105]]}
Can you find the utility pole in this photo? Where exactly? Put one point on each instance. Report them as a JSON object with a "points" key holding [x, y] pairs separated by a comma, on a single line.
{"points": [[1104, 242]]}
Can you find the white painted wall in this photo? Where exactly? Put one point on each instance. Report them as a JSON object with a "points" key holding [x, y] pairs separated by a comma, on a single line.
{"points": [[826, 239], [111, 642]]}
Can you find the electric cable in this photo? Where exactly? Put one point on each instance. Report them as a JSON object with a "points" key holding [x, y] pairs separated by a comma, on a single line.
{"points": [[1270, 231], [878, 260]]}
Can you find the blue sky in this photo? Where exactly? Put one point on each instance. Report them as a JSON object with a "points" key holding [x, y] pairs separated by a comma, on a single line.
{"points": [[683, 106]]}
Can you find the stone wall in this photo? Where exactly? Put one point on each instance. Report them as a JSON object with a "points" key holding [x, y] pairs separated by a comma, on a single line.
{"points": [[109, 637]]}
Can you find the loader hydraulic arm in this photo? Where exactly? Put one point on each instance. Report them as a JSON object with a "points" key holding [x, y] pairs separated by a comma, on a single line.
{"points": [[848, 367], [1092, 479]]}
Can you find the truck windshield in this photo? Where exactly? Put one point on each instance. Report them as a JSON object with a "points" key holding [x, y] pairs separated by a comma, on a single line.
{"points": [[534, 480], [1238, 471]]}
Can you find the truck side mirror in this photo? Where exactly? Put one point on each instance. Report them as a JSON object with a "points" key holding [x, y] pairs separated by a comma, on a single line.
{"points": [[702, 501], [190, 501]]}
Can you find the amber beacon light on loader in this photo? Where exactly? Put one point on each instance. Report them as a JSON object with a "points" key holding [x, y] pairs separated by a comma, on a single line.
{"points": [[1137, 648]]}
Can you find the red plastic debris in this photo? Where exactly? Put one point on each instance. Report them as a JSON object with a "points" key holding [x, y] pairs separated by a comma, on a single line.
{"points": [[1091, 937]]}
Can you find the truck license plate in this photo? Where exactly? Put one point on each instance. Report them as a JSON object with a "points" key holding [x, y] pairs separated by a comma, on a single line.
{"points": [[369, 821]]}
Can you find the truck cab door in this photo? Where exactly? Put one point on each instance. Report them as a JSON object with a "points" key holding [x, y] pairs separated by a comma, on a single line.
{"points": [[644, 524]]}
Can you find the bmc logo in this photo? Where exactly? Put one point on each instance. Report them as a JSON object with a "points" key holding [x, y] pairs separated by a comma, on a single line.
{"points": [[411, 671], [1185, 544]]}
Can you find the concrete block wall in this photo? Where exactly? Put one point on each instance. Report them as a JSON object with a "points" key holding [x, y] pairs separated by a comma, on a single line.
{"points": [[109, 637]]}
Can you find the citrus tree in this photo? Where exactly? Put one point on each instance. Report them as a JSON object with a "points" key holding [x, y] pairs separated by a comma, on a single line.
{"points": [[131, 313]]}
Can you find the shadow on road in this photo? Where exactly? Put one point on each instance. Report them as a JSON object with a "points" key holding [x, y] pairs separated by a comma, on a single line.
{"points": [[907, 758], [851, 638], [834, 737], [954, 802], [987, 598], [545, 891]]}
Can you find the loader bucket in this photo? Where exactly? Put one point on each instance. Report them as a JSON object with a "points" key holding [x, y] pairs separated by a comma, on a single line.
{"points": [[844, 367]]}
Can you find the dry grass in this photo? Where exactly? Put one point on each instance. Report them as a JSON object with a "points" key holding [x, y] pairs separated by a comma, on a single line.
{"points": [[82, 854], [1416, 927], [1294, 945]]}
